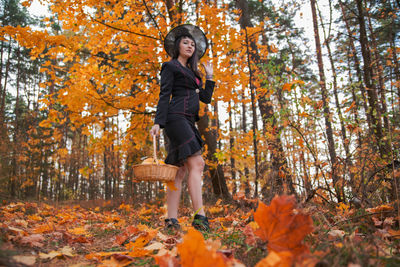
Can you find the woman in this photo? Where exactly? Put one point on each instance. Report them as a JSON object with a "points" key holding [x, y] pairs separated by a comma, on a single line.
{"points": [[177, 110]]}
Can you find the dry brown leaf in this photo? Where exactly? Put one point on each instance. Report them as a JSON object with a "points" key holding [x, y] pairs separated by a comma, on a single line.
{"points": [[155, 246], [99, 255], [250, 237], [33, 240], [65, 251], [26, 260]]}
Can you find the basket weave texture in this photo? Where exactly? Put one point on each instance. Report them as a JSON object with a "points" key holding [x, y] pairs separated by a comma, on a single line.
{"points": [[155, 172]]}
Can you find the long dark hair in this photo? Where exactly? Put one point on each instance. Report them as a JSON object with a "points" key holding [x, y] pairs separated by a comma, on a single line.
{"points": [[193, 60]]}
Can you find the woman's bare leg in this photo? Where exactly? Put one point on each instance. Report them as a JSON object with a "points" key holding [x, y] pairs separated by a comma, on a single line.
{"points": [[195, 165], [174, 196]]}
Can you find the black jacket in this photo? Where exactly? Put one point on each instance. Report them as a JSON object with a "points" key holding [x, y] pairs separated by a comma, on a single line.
{"points": [[186, 91]]}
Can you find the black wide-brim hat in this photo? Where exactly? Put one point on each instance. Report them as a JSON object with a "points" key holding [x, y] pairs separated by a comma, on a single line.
{"points": [[186, 30]]}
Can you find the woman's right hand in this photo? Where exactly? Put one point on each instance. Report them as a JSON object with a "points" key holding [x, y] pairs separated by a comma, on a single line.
{"points": [[155, 130]]}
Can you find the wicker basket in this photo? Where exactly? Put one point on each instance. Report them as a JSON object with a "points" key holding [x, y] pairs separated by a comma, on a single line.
{"points": [[155, 171]]}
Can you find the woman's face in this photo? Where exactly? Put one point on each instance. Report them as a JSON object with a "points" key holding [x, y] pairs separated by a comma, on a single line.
{"points": [[186, 47]]}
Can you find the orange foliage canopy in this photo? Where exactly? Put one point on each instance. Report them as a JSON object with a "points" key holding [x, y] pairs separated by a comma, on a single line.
{"points": [[282, 226]]}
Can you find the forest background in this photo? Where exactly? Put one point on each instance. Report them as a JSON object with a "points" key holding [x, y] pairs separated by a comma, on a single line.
{"points": [[78, 90]]}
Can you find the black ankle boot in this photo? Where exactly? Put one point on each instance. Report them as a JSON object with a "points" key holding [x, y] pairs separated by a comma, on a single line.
{"points": [[200, 223], [172, 224]]}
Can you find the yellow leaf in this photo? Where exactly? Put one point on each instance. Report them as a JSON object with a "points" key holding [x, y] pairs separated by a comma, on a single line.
{"points": [[79, 231], [253, 225]]}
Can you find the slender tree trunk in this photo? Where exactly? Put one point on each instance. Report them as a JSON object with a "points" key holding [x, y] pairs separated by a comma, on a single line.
{"points": [[4, 85], [374, 111], [231, 149], [216, 172], [357, 63], [324, 93], [396, 63], [16, 138], [107, 163], [2, 100], [254, 112], [244, 129], [378, 67], [337, 102]]}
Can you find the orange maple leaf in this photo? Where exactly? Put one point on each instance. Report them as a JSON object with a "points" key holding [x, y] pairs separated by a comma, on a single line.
{"points": [[274, 259], [166, 258], [281, 226], [194, 253]]}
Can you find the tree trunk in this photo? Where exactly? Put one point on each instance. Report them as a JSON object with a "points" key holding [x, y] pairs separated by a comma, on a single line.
{"points": [[107, 166], [374, 112], [254, 113], [357, 63], [378, 67], [244, 129], [325, 101], [231, 147], [216, 172], [396, 62], [337, 102]]}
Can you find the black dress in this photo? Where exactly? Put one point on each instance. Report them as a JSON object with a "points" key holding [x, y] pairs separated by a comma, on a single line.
{"points": [[178, 108]]}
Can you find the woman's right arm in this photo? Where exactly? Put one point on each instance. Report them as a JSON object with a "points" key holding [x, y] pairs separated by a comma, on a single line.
{"points": [[167, 81]]}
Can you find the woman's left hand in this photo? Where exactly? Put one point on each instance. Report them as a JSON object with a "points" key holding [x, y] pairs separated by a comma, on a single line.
{"points": [[208, 67]]}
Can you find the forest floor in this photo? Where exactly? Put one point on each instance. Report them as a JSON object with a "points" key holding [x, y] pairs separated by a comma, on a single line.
{"points": [[39, 234]]}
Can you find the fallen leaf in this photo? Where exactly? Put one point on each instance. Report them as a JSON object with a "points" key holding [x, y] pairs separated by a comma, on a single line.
{"points": [[49, 256], [79, 231], [26, 260], [65, 251], [336, 233], [282, 227], [215, 209], [17, 231], [166, 259], [99, 255], [394, 233], [44, 228], [22, 223], [193, 252], [33, 240], [250, 237], [277, 259], [155, 246], [113, 262], [388, 221], [376, 221], [380, 208]]}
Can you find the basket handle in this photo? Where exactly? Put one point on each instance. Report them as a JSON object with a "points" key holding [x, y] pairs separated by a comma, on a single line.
{"points": [[155, 149]]}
